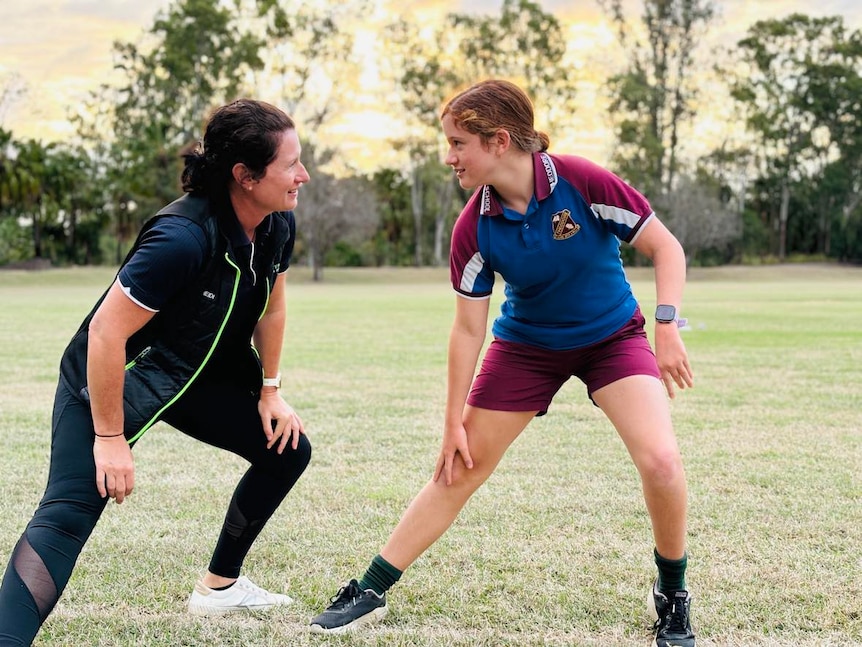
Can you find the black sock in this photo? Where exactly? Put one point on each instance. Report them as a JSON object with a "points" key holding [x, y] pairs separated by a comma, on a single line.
{"points": [[671, 573], [380, 576]]}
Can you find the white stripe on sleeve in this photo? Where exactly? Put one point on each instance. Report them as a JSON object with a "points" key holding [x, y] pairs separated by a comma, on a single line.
{"points": [[617, 214], [471, 272], [643, 226], [128, 293]]}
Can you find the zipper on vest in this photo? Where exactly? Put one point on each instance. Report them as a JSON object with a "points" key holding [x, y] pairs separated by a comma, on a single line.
{"points": [[266, 301], [194, 376], [251, 265], [139, 357]]}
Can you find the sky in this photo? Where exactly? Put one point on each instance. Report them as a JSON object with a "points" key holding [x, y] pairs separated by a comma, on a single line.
{"points": [[59, 50]]}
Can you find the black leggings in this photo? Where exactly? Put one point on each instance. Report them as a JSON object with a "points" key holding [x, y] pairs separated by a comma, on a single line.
{"points": [[218, 414]]}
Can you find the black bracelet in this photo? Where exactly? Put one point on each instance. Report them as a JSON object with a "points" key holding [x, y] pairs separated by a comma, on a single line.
{"points": [[110, 436]]}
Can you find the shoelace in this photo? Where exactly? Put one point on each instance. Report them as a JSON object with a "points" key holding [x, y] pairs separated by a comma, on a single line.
{"points": [[676, 618], [346, 595], [248, 585]]}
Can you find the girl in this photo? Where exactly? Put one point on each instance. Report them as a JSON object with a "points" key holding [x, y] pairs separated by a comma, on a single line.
{"points": [[550, 225]]}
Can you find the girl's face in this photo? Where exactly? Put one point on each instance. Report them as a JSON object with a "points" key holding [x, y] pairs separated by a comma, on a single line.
{"points": [[472, 160], [278, 189]]}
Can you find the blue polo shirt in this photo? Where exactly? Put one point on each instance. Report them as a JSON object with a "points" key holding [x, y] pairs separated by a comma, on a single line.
{"points": [[565, 285]]}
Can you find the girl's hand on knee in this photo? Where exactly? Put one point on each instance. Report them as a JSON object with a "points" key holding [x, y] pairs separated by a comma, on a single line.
{"points": [[454, 443]]}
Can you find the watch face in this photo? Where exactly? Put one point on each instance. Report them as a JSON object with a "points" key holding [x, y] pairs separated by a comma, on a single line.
{"points": [[665, 313]]}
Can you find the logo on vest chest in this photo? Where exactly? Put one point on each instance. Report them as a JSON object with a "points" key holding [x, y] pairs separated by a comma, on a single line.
{"points": [[209, 295], [563, 225]]}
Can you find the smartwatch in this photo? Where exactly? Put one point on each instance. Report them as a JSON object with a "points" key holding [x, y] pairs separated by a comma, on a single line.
{"points": [[665, 313], [273, 381]]}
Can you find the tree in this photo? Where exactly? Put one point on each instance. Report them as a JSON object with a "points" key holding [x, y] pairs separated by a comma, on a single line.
{"points": [[6, 163], [311, 63], [422, 77], [522, 43], [700, 219], [77, 201], [390, 244], [799, 89], [310, 58], [835, 97], [48, 188], [197, 58], [332, 210], [652, 99], [26, 183], [12, 89], [526, 45]]}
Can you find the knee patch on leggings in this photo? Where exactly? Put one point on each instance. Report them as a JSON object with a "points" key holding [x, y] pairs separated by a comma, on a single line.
{"points": [[237, 526]]}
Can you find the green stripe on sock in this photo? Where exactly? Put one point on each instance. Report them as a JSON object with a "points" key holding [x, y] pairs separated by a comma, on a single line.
{"points": [[380, 576], [671, 573]]}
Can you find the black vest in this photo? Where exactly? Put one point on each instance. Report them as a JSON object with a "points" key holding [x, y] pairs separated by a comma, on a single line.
{"points": [[165, 356]]}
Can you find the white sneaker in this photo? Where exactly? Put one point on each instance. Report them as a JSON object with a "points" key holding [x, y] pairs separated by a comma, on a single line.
{"points": [[243, 595]]}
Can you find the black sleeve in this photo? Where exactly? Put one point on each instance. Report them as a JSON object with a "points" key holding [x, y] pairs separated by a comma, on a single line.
{"points": [[171, 253]]}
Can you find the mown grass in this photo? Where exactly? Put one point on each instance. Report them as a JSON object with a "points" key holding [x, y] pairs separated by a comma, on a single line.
{"points": [[554, 550]]}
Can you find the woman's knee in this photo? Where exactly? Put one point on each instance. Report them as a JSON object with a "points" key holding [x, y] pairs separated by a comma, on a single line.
{"points": [[69, 518], [303, 452], [288, 465]]}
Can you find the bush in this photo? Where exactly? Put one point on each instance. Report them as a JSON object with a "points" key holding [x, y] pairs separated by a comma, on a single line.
{"points": [[343, 254], [15, 243]]}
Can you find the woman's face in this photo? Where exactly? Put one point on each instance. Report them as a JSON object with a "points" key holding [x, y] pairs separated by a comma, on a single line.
{"points": [[278, 189], [471, 159]]}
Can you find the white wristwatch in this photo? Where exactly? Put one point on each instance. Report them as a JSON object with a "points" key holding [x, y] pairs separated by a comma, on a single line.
{"points": [[273, 381]]}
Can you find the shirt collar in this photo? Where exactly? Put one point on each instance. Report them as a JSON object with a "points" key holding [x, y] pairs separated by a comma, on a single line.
{"points": [[544, 178], [235, 233]]}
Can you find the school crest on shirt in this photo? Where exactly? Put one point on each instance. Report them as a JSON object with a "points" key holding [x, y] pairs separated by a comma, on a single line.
{"points": [[563, 225]]}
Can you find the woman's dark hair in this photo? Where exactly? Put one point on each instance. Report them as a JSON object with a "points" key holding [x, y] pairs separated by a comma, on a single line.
{"points": [[487, 106], [242, 132]]}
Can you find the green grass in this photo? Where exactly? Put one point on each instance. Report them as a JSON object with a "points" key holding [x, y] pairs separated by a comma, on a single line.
{"points": [[554, 550]]}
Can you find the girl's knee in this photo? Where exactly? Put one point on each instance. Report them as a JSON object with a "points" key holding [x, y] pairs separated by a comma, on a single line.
{"points": [[468, 479], [662, 468]]}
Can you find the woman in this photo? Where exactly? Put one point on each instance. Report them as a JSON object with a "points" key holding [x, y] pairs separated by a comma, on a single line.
{"points": [[550, 225], [191, 333]]}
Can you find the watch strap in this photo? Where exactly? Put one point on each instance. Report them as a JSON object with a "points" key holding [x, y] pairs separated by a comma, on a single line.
{"points": [[273, 381]]}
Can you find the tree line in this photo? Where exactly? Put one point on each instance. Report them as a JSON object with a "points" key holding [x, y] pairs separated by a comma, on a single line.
{"points": [[785, 181]]}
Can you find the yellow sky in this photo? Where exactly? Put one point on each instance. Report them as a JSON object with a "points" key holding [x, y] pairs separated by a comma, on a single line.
{"points": [[61, 49]]}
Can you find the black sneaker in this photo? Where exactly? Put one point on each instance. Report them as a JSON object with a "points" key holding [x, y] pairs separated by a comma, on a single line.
{"points": [[673, 621], [350, 608]]}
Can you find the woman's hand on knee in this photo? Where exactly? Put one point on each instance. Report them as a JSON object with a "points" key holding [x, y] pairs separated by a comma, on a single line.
{"points": [[280, 422]]}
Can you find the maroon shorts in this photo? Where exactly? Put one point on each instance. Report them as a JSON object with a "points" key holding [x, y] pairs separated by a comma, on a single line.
{"points": [[519, 377]]}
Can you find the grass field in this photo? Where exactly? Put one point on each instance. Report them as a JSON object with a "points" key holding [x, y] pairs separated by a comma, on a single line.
{"points": [[554, 550]]}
